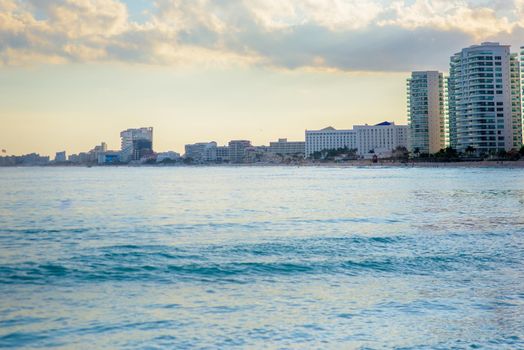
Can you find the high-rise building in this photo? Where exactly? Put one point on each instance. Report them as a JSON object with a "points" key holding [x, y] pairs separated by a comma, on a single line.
{"points": [[237, 150], [201, 152], [426, 112], [136, 143], [522, 88], [484, 99]]}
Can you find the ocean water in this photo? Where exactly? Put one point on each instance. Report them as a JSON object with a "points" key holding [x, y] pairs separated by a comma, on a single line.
{"points": [[261, 257]]}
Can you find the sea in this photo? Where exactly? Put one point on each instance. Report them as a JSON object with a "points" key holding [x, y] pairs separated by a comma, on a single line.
{"points": [[261, 258]]}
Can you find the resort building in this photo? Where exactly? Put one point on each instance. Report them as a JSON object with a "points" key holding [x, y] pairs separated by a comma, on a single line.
{"points": [[237, 150], [328, 138], [201, 152], [285, 147], [426, 112], [380, 139], [484, 88], [136, 143]]}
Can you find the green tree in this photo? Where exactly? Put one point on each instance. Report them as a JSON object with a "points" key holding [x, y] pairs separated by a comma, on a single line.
{"points": [[470, 150]]}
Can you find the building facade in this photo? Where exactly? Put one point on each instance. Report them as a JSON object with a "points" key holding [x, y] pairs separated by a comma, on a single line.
{"points": [[380, 139], [167, 156], [60, 157], [328, 138], [426, 112], [201, 152], [135, 143], [237, 150], [285, 147], [485, 112], [223, 154]]}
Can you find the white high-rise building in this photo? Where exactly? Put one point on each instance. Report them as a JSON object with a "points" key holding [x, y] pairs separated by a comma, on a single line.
{"points": [[426, 112], [329, 138], [129, 139], [485, 99]]}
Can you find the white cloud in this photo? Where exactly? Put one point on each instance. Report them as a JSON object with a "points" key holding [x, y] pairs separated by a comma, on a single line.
{"points": [[448, 15], [332, 34]]}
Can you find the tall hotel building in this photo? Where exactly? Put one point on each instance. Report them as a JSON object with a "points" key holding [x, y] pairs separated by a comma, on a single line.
{"points": [[426, 112], [484, 91], [134, 141]]}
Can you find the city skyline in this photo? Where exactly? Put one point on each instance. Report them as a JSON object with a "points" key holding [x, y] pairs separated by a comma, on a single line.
{"points": [[76, 72]]}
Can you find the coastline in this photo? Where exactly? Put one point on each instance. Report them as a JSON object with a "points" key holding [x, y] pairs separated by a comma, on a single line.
{"points": [[519, 164]]}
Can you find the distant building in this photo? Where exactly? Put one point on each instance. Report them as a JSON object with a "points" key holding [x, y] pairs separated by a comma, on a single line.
{"points": [[328, 138], [99, 149], [136, 143], [201, 152], [24, 160], [223, 154], [380, 139], [237, 150], [285, 147], [60, 157], [255, 154], [484, 93], [109, 157], [426, 112], [170, 156], [80, 158]]}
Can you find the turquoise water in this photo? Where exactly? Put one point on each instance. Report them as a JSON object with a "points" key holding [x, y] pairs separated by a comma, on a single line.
{"points": [[248, 257]]}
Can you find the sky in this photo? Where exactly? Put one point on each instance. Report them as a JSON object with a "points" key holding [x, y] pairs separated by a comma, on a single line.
{"points": [[74, 73]]}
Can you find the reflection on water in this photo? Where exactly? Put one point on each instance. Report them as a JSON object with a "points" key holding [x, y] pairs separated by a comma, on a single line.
{"points": [[261, 257]]}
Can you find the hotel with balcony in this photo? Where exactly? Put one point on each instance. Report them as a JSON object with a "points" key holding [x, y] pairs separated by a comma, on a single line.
{"points": [[484, 88], [426, 112]]}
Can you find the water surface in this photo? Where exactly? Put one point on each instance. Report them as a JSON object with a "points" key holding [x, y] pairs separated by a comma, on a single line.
{"points": [[269, 257]]}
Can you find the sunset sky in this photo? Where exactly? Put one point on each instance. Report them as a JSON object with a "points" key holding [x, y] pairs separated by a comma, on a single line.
{"points": [[74, 73]]}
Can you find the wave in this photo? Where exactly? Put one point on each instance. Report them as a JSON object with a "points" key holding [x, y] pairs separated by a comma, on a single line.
{"points": [[170, 268]]}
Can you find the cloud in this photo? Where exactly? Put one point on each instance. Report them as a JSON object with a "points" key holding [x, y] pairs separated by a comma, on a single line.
{"points": [[369, 35]]}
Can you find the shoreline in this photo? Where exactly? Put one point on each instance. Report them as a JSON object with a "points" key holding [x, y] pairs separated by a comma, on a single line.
{"points": [[519, 164]]}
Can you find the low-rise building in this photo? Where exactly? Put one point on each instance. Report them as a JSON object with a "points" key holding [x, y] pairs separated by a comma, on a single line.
{"points": [[223, 154], [60, 157], [201, 152], [24, 160], [109, 157], [237, 150], [285, 147], [328, 138], [167, 156], [380, 139], [80, 158]]}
